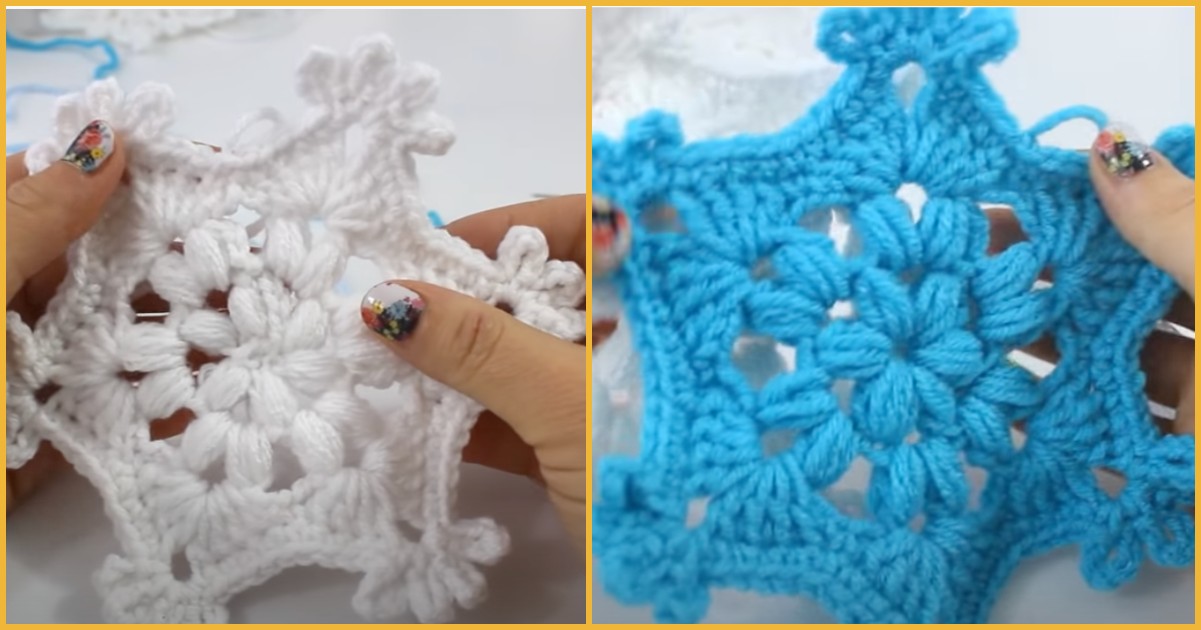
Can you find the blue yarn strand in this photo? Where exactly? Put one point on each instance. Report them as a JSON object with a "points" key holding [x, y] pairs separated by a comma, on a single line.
{"points": [[111, 64], [105, 69]]}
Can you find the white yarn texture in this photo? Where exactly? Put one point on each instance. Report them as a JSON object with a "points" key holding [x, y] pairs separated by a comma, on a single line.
{"points": [[136, 28], [722, 70], [286, 463]]}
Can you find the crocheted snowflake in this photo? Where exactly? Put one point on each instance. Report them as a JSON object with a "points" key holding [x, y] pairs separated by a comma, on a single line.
{"points": [[136, 28], [286, 462], [731, 487]]}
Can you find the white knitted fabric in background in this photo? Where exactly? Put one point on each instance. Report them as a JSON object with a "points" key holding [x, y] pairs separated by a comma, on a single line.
{"points": [[136, 28], [287, 463], [722, 70]]}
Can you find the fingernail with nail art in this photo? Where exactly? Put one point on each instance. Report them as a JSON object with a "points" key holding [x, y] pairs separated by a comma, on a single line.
{"points": [[392, 310], [91, 147], [1122, 152], [610, 236]]}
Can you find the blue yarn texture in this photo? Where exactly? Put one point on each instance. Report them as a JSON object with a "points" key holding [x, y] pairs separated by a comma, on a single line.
{"points": [[924, 353]]}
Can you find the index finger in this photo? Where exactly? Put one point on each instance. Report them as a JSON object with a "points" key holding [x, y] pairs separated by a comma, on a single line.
{"points": [[561, 219]]}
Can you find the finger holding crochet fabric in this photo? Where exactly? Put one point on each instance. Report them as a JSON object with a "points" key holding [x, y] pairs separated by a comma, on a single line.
{"points": [[45, 213], [1151, 204], [1148, 199], [531, 383], [48, 211]]}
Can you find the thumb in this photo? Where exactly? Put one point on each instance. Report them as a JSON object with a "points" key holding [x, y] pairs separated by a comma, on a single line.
{"points": [[47, 211], [502, 363], [1148, 199]]}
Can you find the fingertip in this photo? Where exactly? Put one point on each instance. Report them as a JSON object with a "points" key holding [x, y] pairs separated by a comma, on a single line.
{"points": [[94, 147], [1149, 201], [1155, 191], [1123, 167], [86, 176], [465, 343], [392, 310]]}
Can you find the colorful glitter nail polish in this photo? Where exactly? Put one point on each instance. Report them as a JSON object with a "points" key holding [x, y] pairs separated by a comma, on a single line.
{"points": [[91, 147], [1122, 152], [610, 236], [392, 310]]}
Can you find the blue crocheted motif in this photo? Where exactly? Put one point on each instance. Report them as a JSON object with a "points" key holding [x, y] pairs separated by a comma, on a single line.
{"points": [[934, 316]]}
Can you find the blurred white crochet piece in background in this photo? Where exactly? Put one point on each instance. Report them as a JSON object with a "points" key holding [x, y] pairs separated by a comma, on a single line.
{"points": [[135, 28], [286, 463], [722, 70]]}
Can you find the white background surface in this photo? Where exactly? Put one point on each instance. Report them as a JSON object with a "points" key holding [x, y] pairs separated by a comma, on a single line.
{"points": [[754, 70], [513, 82]]}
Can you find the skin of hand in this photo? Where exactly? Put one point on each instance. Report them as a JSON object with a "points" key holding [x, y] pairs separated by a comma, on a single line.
{"points": [[1153, 210], [45, 213], [533, 384]]}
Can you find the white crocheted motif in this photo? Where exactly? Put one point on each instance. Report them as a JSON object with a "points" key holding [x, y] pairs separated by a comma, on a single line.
{"points": [[722, 70], [286, 463], [136, 28]]}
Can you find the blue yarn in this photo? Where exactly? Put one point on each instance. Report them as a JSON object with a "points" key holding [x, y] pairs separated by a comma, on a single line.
{"points": [[110, 66], [935, 316], [435, 218], [112, 63]]}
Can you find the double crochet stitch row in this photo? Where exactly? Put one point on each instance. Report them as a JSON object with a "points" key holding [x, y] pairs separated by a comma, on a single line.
{"points": [[730, 249]]}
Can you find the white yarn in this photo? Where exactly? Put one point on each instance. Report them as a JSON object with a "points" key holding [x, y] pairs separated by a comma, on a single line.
{"points": [[136, 28], [722, 70], [286, 402]]}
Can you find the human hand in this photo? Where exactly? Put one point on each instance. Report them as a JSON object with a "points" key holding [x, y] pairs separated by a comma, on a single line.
{"points": [[1151, 204], [531, 383], [45, 213]]}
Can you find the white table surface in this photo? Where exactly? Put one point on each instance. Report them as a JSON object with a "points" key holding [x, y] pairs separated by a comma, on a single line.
{"points": [[513, 82], [1136, 64]]}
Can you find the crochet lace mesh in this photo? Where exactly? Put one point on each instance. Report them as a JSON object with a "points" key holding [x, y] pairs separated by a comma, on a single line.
{"points": [[285, 463]]}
